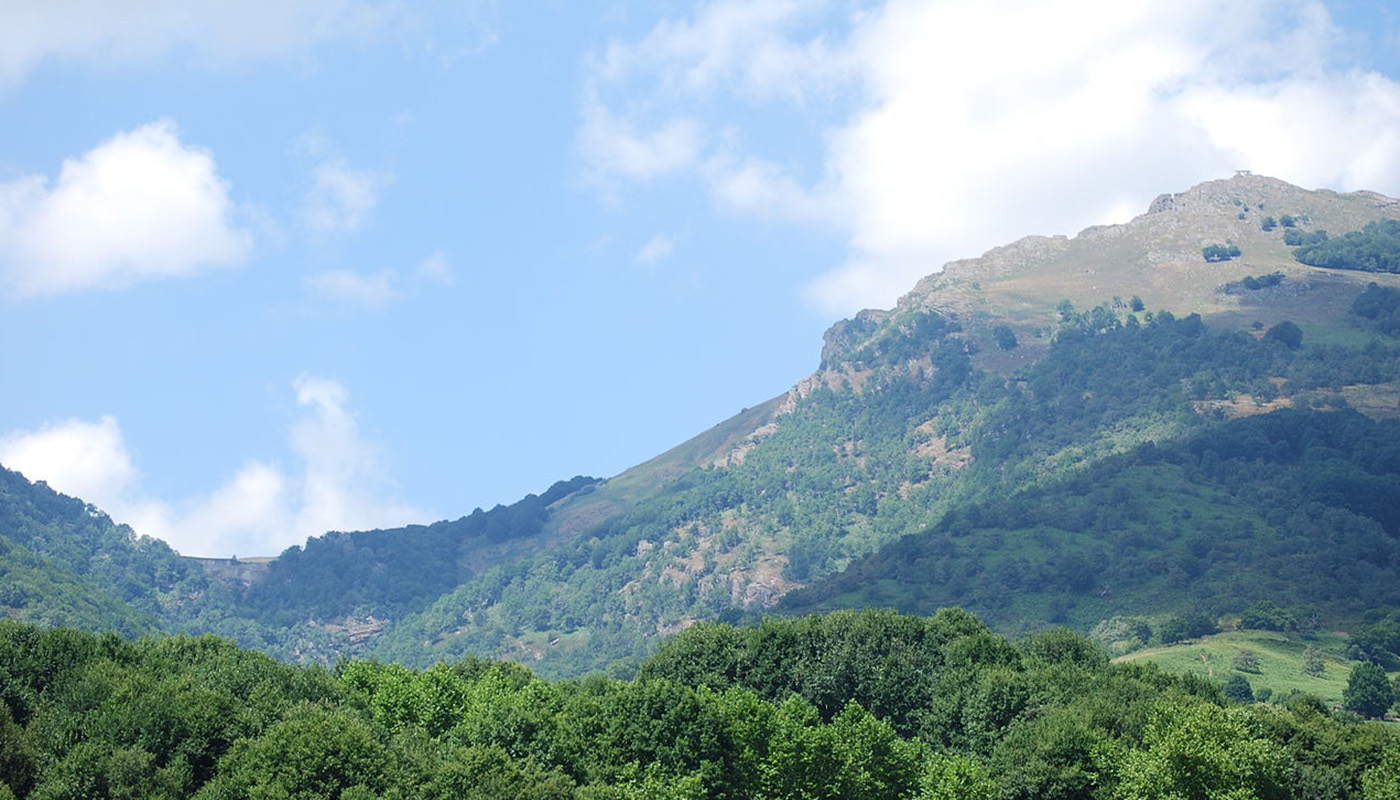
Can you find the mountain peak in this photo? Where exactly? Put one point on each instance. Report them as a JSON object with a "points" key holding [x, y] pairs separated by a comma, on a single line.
{"points": [[1156, 255]]}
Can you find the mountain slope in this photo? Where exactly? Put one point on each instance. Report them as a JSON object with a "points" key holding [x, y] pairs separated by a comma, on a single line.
{"points": [[64, 562], [1289, 507], [916, 413], [1031, 433]]}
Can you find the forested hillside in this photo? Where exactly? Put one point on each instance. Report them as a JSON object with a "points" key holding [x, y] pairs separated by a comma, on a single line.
{"points": [[64, 562], [383, 574], [870, 705], [1225, 511], [1108, 477], [330, 597]]}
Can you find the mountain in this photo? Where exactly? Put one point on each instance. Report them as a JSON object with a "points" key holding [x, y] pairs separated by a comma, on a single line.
{"points": [[1020, 379], [1136, 428]]}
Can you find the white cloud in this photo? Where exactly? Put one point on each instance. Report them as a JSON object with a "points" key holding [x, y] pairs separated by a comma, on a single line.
{"points": [[657, 248], [980, 123], [137, 31], [375, 291], [762, 188], [89, 458], [371, 292], [613, 147], [1259, 124], [436, 269], [342, 471], [261, 510], [733, 43], [341, 198], [138, 207], [741, 43]]}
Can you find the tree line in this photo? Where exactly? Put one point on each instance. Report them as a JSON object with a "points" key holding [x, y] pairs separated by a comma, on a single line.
{"points": [[868, 704]]}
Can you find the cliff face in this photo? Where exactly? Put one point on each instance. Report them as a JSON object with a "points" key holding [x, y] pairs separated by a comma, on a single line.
{"points": [[232, 571]]}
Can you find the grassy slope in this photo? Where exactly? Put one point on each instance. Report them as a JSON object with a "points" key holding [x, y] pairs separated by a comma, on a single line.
{"points": [[1158, 257], [579, 512], [1280, 659]]}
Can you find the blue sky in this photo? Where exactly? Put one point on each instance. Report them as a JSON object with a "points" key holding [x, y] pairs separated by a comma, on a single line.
{"points": [[278, 266]]}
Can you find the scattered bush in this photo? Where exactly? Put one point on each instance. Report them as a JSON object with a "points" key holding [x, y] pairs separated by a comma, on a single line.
{"points": [[1246, 661], [1312, 662], [1379, 306], [1296, 238], [1249, 283], [1286, 333], [1005, 337], [1220, 252]]}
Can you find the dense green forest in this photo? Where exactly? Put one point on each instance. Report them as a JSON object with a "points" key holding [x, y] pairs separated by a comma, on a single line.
{"points": [[64, 562], [863, 705], [1293, 507], [390, 572], [324, 599]]}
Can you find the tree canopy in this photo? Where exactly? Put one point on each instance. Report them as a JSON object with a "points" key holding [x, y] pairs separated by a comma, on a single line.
{"points": [[848, 705]]}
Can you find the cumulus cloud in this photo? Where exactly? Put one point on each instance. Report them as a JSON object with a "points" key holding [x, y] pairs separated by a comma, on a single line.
{"points": [[141, 206], [262, 509], [137, 31], [89, 458], [979, 123], [657, 248]]}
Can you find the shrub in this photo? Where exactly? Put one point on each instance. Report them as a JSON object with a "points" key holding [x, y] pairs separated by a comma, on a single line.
{"points": [[1287, 334], [1220, 252]]}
